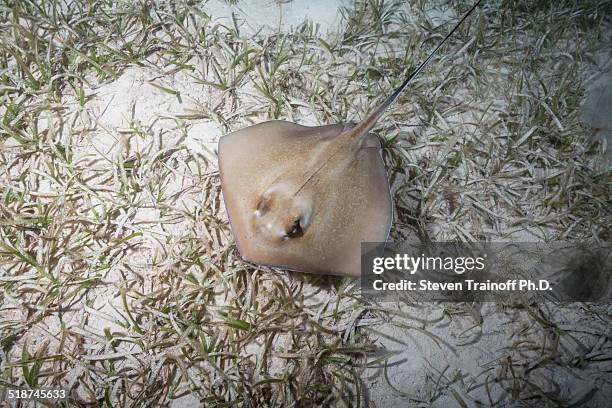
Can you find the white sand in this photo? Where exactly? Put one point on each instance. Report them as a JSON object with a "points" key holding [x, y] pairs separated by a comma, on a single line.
{"points": [[269, 16], [597, 105]]}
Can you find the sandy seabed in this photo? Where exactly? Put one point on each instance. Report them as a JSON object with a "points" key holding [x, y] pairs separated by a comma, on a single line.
{"points": [[460, 350]]}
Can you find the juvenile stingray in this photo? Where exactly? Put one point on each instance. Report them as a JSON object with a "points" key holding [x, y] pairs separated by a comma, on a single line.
{"points": [[305, 198]]}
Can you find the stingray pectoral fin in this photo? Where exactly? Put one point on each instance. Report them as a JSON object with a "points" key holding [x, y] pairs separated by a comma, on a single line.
{"points": [[363, 212], [372, 142]]}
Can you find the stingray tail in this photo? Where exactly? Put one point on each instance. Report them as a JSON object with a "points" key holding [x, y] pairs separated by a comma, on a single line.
{"points": [[360, 131], [362, 128]]}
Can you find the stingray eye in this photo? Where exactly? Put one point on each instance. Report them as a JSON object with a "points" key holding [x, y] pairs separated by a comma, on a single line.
{"points": [[262, 206], [296, 230]]}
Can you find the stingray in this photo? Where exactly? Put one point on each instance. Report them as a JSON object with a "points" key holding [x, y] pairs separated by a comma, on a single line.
{"points": [[304, 198]]}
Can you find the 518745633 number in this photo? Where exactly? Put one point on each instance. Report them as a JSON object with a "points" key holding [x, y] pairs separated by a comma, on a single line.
{"points": [[38, 393]]}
